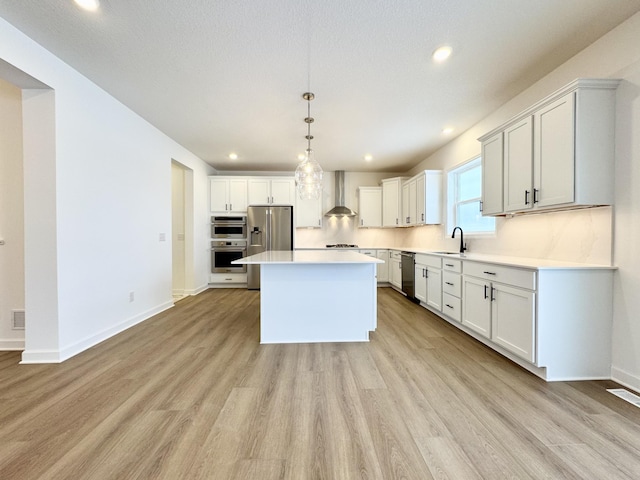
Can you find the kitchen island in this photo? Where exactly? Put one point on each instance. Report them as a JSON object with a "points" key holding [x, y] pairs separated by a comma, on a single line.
{"points": [[316, 296]]}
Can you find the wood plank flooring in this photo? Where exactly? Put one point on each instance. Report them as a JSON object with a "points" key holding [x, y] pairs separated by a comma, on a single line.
{"points": [[191, 394]]}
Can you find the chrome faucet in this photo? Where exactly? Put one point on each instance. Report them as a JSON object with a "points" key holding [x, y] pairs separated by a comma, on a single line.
{"points": [[463, 246]]}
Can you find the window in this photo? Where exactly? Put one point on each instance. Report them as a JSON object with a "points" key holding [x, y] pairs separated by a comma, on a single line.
{"points": [[464, 192]]}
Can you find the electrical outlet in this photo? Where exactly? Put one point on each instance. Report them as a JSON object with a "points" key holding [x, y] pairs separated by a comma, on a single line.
{"points": [[163, 237], [132, 296]]}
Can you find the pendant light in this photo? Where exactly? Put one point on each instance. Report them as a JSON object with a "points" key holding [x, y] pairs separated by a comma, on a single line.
{"points": [[309, 172]]}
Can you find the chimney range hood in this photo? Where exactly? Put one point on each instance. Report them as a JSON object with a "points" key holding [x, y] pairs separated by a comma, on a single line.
{"points": [[340, 210]]}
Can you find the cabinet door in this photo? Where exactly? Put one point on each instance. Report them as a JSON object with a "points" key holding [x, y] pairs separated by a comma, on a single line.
{"points": [[309, 213], [395, 275], [390, 206], [218, 194], [420, 290], [283, 191], [513, 320], [259, 191], [383, 268], [492, 183], [370, 207], [518, 166], [434, 288], [554, 158], [476, 305], [406, 219], [238, 195], [413, 200], [420, 200]]}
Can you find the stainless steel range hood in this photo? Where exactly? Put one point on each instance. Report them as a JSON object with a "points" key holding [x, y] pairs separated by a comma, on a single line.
{"points": [[340, 210]]}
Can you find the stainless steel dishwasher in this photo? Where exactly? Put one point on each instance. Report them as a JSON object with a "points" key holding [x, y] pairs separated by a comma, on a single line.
{"points": [[408, 274]]}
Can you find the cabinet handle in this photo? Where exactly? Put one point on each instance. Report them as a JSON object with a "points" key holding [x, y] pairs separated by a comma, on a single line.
{"points": [[426, 273], [485, 292], [448, 264], [490, 273], [480, 208], [493, 297], [447, 305], [449, 283], [226, 206], [319, 222], [230, 207], [271, 199], [526, 197], [396, 221], [361, 222], [422, 216], [535, 195]]}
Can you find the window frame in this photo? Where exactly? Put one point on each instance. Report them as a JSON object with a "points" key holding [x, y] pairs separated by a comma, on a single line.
{"points": [[453, 175]]}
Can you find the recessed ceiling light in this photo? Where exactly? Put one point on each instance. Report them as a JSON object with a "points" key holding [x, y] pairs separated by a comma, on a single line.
{"points": [[368, 157], [447, 130], [442, 53], [91, 5], [233, 156]]}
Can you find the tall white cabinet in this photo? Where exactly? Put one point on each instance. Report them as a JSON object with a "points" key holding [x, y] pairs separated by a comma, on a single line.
{"points": [[557, 154], [369, 207], [228, 194]]}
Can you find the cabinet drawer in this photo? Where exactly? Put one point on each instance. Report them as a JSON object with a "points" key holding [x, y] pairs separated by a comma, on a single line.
{"points": [[429, 260], [452, 265], [451, 306], [371, 253], [394, 254], [497, 273], [451, 283]]}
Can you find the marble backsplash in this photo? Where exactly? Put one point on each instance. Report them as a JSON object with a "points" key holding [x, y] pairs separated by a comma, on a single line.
{"points": [[582, 236]]}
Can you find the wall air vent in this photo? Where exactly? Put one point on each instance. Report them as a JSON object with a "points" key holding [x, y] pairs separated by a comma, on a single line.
{"points": [[17, 319]]}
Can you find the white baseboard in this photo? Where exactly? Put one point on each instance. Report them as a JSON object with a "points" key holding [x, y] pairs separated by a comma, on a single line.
{"points": [[11, 344], [625, 378], [57, 356], [197, 290]]}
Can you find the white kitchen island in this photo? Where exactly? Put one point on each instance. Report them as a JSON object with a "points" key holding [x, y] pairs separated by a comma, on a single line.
{"points": [[316, 296]]}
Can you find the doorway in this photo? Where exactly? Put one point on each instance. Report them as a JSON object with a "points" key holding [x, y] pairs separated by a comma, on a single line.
{"points": [[181, 230]]}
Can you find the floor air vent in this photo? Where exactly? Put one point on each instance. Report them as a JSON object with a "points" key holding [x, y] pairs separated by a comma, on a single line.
{"points": [[17, 319], [625, 395]]}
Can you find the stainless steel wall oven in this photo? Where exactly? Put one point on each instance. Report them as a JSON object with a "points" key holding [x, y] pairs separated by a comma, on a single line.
{"points": [[223, 252], [229, 227]]}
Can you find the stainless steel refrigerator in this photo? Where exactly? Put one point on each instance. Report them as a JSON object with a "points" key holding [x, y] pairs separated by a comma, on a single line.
{"points": [[268, 228]]}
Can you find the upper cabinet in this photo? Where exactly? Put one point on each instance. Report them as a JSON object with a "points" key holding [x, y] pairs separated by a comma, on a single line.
{"points": [[557, 154], [228, 194], [369, 207], [271, 191], [392, 201], [422, 199], [309, 213]]}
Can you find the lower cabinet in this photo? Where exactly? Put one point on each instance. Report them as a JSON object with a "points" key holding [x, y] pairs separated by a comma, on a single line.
{"points": [[504, 313], [382, 269], [428, 280], [395, 269]]}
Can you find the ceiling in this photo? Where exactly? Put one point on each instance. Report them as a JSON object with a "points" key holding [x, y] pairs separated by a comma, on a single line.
{"points": [[228, 76]]}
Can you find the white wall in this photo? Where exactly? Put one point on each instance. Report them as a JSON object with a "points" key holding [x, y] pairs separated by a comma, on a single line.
{"points": [[106, 198], [585, 235], [11, 215]]}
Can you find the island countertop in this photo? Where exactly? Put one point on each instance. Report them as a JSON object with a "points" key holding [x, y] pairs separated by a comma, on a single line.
{"points": [[306, 257]]}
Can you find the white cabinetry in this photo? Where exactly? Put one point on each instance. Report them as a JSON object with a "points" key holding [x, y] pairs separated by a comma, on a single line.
{"points": [[227, 194], [392, 201], [422, 199], [370, 206], [271, 191], [309, 212], [452, 288], [383, 268], [492, 168], [557, 154], [428, 280], [395, 269], [499, 303]]}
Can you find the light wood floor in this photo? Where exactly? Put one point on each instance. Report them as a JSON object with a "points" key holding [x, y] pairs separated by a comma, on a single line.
{"points": [[191, 394]]}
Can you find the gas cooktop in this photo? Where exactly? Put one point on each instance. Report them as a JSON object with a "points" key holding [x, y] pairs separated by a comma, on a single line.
{"points": [[342, 245]]}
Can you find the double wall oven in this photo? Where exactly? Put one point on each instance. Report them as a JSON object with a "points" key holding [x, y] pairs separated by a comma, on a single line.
{"points": [[229, 243]]}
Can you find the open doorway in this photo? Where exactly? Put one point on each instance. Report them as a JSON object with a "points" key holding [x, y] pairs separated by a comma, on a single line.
{"points": [[181, 230]]}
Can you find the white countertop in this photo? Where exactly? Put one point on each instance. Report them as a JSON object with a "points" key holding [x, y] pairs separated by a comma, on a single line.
{"points": [[523, 262], [306, 257]]}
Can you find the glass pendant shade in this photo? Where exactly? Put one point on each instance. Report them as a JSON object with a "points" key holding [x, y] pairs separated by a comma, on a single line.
{"points": [[309, 177]]}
